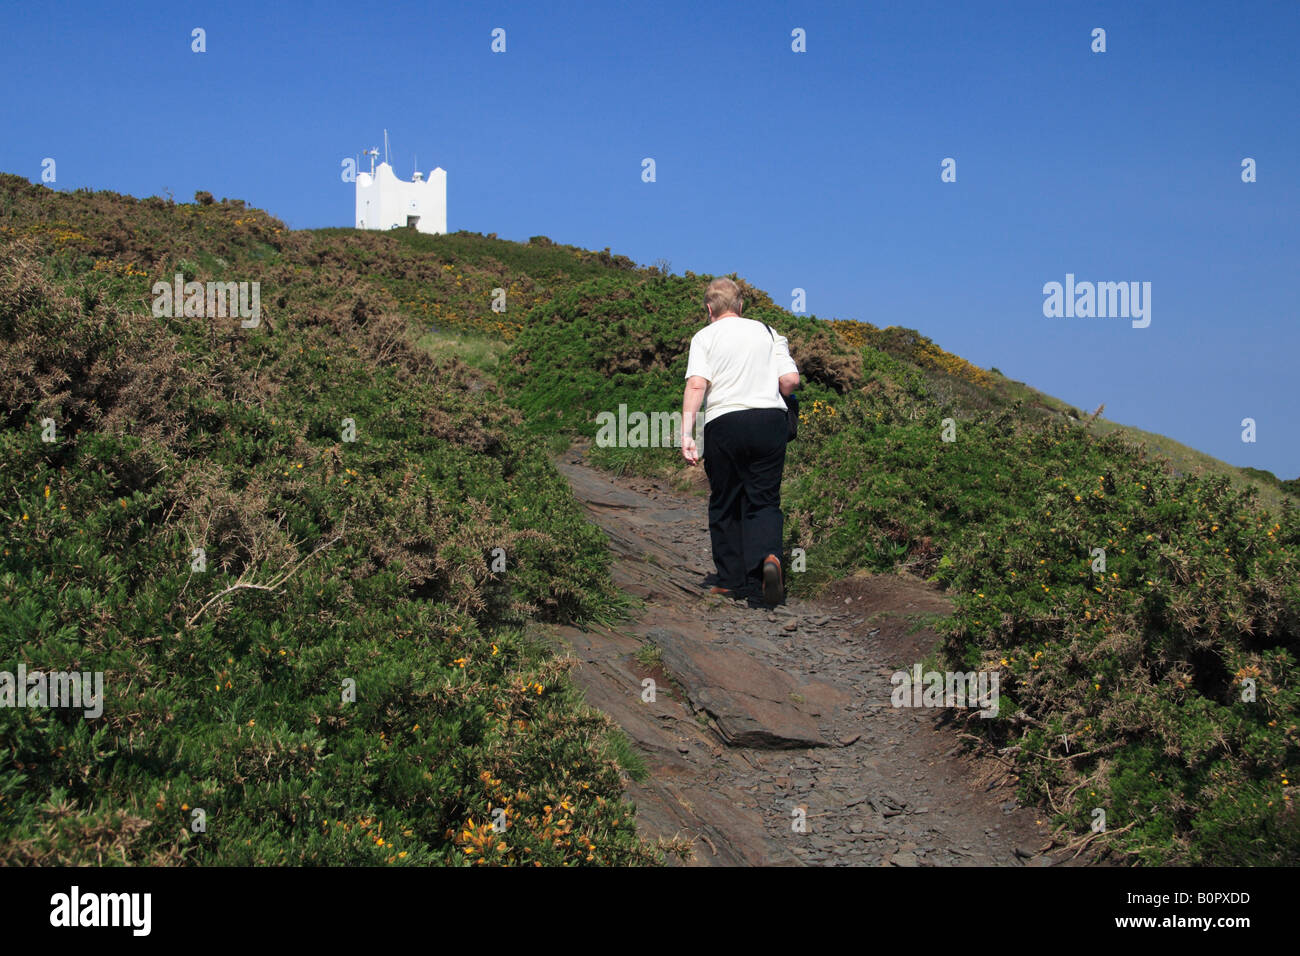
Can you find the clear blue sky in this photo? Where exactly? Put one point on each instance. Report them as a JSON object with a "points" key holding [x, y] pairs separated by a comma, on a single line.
{"points": [[818, 170]]}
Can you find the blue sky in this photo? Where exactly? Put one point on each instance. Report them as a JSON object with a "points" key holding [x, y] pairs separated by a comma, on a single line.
{"points": [[818, 170]]}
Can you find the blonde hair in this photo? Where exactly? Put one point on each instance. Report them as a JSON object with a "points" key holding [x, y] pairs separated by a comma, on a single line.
{"points": [[723, 295]]}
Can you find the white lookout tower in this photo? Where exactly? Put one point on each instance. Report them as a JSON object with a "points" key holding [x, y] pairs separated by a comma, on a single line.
{"points": [[385, 202]]}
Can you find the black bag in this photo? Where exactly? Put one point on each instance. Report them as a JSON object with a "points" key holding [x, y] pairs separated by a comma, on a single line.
{"points": [[791, 404]]}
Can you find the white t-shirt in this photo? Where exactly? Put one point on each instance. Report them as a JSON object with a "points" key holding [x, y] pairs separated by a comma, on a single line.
{"points": [[742, 363]]}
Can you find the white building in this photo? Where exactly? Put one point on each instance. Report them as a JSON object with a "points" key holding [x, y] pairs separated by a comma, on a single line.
{"points": [[384, 201]]}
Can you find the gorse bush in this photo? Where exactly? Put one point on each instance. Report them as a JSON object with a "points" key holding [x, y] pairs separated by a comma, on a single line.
{"points": [[1157, 680], [330, 568]]}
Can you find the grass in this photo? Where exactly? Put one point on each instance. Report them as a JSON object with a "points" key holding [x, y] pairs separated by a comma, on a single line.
{"points": [[477, 351], [921, 622], [650, 656], [627, 756]]}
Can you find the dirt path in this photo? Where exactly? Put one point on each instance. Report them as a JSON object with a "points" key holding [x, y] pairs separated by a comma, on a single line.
{"points": [[764, 722]]}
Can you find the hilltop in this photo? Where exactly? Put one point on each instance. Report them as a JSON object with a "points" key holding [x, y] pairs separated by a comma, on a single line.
{"points": [[377, 559]]}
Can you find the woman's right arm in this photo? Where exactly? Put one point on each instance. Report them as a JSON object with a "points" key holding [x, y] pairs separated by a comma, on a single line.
{"points": [[788, 381]]}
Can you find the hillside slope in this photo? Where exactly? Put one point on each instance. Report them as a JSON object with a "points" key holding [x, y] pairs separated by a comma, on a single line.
{"points": [[1128, 607]]}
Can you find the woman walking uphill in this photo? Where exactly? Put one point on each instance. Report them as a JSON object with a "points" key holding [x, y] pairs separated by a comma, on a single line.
{"points": [[743, 369]]}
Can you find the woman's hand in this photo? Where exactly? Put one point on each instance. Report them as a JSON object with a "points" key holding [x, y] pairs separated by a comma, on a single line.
{"points": [[689, 451]]}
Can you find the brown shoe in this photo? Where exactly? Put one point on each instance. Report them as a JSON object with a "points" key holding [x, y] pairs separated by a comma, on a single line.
{"points": [[773, 585]]}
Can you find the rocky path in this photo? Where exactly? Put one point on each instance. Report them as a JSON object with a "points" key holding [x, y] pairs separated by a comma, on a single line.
{"points": [[771, 738]]}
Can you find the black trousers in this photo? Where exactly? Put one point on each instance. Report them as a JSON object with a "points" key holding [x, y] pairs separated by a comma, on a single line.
{"points": [[744, 457]]}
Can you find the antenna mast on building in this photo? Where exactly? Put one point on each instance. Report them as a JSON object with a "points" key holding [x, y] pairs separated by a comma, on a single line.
{"points": [[385, 145], [372, 152]]}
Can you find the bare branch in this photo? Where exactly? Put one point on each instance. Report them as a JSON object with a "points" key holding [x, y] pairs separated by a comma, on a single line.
{"points": [[274, 585]]}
